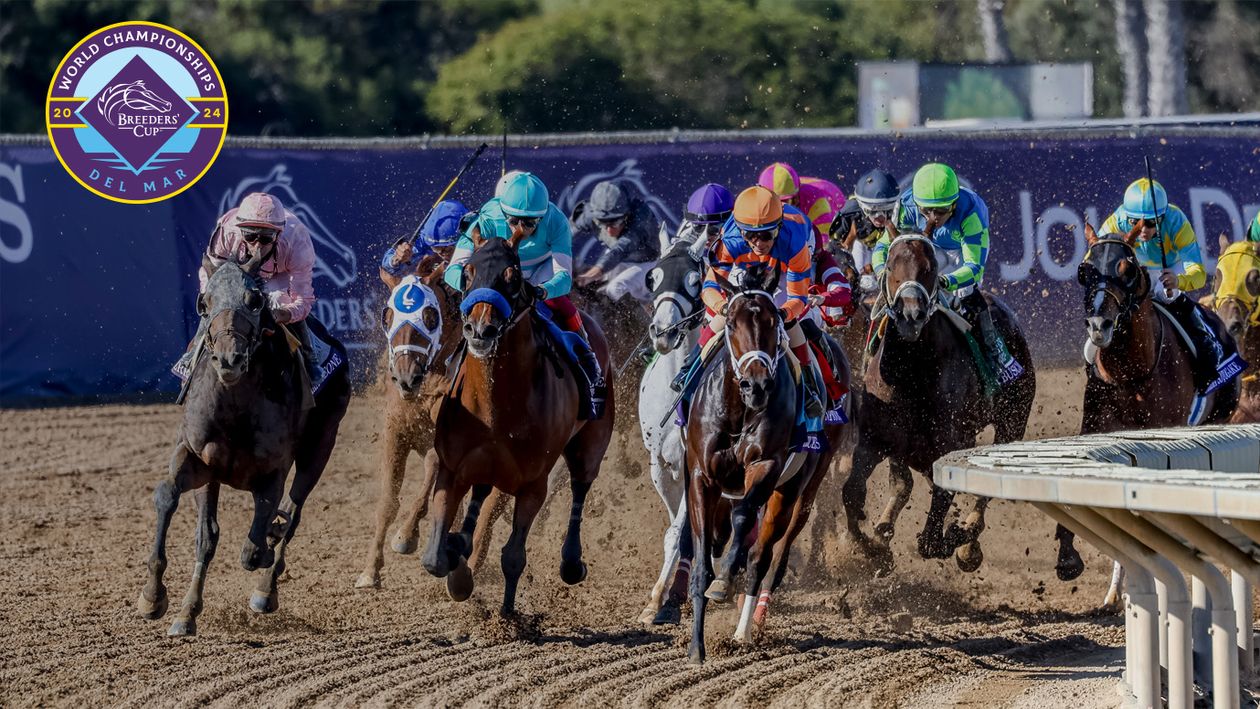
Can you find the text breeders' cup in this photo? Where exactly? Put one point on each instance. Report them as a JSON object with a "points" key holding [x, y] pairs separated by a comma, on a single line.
{"points": [[137, 112]]}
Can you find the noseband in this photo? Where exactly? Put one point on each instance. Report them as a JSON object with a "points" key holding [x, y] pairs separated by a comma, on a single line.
{"points": [[929, 296], [1129, 302], [740, 363]]}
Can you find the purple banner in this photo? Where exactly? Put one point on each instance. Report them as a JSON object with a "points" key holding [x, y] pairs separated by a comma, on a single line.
{"points": [[96, 298]]}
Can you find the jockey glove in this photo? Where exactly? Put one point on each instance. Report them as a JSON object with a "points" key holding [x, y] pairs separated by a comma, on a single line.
{"points": [[281, 315], [540, 293]]}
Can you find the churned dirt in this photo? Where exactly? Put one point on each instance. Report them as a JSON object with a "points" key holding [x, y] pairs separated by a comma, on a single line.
{"points": [[76, 522]]}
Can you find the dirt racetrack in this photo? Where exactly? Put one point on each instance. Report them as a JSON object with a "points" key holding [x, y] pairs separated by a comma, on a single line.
{"points": [[77, 518]]}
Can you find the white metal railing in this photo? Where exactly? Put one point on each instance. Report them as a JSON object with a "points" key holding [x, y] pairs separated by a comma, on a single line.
{"points": [[1165, 504]]}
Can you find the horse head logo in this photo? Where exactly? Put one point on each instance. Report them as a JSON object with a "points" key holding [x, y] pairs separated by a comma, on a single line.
{"points": [[333, 259], [134, 96]]}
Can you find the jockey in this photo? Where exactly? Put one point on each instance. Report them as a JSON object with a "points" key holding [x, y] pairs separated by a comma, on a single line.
{"points": [[819, 199], [437, 238], [262, 222], [1146, 203], [1253, 231], [957, 222], [545, 251], [628, 230], [763, 230], [707, 210], [874, 206]]}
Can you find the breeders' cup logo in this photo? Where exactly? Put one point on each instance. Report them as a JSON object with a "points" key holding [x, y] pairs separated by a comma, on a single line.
{"points": [[333, 259], [630, 177], [137, 112]]}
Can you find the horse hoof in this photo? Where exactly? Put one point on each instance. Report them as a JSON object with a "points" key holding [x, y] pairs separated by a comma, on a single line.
{"points": [[969, 557], [260, 602], [573, 572], [1070, 568], [404, 545], [884, 531], [647, 615], [153, 610], [368, 579], [668, 615], [459, 582], [696, 656], [183, 628], [719, 591]]}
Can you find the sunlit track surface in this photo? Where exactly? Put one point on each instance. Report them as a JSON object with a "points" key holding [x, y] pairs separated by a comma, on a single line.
{"points": [[76, 522]]}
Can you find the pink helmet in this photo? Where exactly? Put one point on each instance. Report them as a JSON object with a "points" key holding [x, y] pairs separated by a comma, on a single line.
{"points": [[781, 179], [260, 209]]}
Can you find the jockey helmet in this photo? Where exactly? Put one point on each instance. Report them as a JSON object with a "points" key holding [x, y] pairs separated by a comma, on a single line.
{"points": [[758, 209], [935, 185], [711, 204], [1145, 199], [524, 196], [608, 201], [781, 179], [877, 190], [442, 227], [507, 177], [260, 210]]}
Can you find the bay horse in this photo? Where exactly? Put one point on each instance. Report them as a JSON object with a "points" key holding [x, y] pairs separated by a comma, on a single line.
{"points": [[1143, 374], [677, 315], [923, 397], [420, 319], [512, 412], [1236, 300], [245, 425], [739, 431]]}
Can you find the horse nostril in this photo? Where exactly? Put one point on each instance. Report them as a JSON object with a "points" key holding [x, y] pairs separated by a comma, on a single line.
{"points": [[468, 327], [745, 385]]}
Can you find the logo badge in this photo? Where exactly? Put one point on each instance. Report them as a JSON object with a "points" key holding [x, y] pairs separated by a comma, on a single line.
{"points": [[137, 112]]}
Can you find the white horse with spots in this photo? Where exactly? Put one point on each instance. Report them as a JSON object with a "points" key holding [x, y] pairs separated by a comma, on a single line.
{"points": [[677, 315]]}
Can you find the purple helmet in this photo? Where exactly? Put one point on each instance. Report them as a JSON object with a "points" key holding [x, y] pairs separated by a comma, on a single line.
{"points": [[711, 204]]}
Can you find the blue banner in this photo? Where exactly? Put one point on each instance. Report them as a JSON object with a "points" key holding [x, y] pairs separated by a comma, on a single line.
{"points": [[97, 298]]}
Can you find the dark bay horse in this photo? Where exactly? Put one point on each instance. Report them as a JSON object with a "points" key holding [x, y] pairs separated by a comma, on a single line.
{"points": [[1236, 300], [924, 397], [244, 426], [1143, 374], [512, 412], [421, 320], [738, 436]]}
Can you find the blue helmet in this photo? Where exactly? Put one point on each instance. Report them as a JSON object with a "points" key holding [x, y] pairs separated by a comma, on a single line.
{"points": [[524, 196], [442, 227], [1145, 199], [711, 204]]}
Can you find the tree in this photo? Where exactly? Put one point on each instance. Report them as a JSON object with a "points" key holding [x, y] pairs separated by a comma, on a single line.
{"points": [[1131, 46], [997, 47], [1166, 58]]}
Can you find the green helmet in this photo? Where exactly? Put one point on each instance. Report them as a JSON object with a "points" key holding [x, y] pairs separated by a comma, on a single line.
{"points": [[524, 195], [935, 185]]}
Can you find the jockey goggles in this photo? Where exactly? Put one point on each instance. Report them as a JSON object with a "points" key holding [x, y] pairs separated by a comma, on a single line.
{"points": [[878, 210], [751, 235], [1146, 223], [524, 222], [936, 211], [259, 235], [613, 221]]}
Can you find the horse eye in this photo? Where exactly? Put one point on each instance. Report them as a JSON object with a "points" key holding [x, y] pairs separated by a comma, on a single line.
{"points": [[254, 300]]}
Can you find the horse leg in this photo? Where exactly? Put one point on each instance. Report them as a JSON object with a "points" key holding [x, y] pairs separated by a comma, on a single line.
{"points": [[436, 559], [743, 518], [153, 601], [528, 502], [207, 539], [485, 529], [459, 582], [677, 515], [932, 543], [968, 555], [407, 538], [671, 610], [774, 525], [800, 511], [258, 553], [1070, 565], [392, 471], [700, 512], [854, 498]]}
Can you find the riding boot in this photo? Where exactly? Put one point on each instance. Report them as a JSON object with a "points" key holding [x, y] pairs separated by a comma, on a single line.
{"points": [[303, 334], [813, 398], [187, 361], [598, 391], [813, 333], [977, 308], [680, 379]]}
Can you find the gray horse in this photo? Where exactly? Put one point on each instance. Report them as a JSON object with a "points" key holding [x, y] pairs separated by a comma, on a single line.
{"points": [[247, 421]]}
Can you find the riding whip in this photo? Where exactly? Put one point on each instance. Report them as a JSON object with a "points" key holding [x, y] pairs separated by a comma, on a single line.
{"points": [[416, 235]]}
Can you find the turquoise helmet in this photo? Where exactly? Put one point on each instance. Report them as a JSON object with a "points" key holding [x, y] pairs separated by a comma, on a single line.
{"points": [[524, 195], [1145, 199]]}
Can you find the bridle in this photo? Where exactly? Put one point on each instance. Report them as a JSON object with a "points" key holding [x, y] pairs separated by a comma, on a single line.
{"points": [[1253, 309], [251, 339], [403, 318], [1129, 302], [740, 363], [909, 286]]}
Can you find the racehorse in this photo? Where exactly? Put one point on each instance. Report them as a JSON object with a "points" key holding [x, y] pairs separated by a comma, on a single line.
{"points": [[420, 319], [1236, 300], [512, 411], [244, 425], [739, 431], [924, 397], [1142, 375], [677, 314]]}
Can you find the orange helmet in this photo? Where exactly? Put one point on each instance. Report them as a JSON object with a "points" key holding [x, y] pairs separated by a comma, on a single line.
{"points": [[758, 209]]}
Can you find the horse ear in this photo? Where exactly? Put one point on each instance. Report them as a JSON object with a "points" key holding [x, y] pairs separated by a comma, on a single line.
{"points": [[851, 236], [662, 235], [1223, 241], [723, 283], [1091, 236], [209, 265], [1253, 283], [1131, 237], [515, 239], [477, 239], [427, 265], [893, 231]]}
